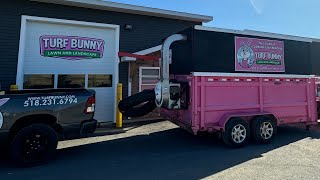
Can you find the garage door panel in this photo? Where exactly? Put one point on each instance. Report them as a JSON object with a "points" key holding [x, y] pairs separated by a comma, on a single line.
{"points": [[57, 67], [60, 47], [105, 104], [75, 70]]}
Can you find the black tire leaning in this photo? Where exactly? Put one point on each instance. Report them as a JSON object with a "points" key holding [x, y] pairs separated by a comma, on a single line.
{"points": [[227, 136], [141, 110], [18, 145], [257, 134], [136, 99], [130, 106]]}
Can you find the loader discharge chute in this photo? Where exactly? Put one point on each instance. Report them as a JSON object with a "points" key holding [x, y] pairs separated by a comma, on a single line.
{"points": [[166, 93]]}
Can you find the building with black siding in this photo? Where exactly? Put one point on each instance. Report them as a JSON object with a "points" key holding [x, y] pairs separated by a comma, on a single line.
{"points": [[74, 43]]}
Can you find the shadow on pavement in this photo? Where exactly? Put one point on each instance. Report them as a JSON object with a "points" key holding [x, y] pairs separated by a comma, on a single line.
{"points": [[171, 154]]}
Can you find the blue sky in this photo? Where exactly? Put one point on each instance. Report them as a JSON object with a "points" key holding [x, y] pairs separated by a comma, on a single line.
{"points": [[292, 17]]}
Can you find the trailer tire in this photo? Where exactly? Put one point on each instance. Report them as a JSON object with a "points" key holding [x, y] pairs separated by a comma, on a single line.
{"points": [[236, 133], [33, 144], [264, 129], [130, 106]]}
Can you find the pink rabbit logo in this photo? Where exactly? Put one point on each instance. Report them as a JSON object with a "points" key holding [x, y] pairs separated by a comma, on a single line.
{"points": [[245, 56]]}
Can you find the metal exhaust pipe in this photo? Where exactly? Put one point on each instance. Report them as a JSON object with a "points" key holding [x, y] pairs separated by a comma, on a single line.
{"points": [[165, 55]]}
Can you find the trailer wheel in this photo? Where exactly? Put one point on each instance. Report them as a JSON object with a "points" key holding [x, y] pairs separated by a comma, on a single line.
{"points": [[33, 145], [237, 133], [263, 129]]}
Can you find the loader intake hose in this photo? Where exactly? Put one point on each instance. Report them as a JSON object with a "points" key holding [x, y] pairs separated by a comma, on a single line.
{"points": [[139, 104]]}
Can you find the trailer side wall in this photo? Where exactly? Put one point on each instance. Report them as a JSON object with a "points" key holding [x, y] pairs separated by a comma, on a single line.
{"points": [[215, 98]]}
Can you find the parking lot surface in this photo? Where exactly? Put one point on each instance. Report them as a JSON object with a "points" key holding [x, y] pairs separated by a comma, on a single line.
{"points": [[161, 150]]}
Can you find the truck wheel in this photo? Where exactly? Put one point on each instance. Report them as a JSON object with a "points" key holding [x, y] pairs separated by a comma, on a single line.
{"points": [[263, 129], [33, 145], [237, 133]]}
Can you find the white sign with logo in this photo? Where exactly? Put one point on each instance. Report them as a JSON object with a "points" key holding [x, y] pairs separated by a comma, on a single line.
{"points": [[58, 47]]}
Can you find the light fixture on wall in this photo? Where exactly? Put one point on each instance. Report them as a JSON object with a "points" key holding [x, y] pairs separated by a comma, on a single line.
{"points": [[128, 27]]}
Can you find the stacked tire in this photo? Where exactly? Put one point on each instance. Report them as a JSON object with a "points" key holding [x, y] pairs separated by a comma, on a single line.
{"points": [[139, 104]]}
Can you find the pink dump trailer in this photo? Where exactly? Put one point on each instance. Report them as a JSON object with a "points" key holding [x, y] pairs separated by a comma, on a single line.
{"points": [[240, 105]]}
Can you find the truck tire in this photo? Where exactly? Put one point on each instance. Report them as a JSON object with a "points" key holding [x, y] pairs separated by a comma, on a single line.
{"points": [[264, 129], [33, 145], [138, 104], [236, 133]]}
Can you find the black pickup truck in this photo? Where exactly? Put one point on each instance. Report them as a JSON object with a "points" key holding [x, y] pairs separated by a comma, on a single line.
{"points": [[33, 121]]}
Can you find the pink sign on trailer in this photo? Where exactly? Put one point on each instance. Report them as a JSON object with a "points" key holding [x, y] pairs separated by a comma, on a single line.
{"points": [[259, 55]]}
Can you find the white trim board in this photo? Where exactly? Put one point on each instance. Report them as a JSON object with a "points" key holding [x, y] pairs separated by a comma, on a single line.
{"points": [[116, 78], [255, 33], [250, 75], [143, 52], [149, 50], [132, 9], [63, 21]]}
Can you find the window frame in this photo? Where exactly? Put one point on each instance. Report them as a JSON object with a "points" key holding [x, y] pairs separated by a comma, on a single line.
{"points": [[151, 76], [87, 80], [66, 74], [24, 78]]}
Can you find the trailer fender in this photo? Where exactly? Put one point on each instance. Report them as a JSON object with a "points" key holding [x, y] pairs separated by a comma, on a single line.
{"points": [[246, 116]]}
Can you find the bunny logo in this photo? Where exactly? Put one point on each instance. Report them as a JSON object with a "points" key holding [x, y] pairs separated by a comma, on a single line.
{"points": [[245, 56]]}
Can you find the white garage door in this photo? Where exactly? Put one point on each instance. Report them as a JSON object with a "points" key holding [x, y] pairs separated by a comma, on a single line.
{"points": [[70, 54]]}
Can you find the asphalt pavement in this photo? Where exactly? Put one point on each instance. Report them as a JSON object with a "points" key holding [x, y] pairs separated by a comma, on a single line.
{"points": [[161, 150]]}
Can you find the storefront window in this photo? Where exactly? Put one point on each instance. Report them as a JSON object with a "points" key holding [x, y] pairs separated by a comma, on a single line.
{"points": [[99, 80], [71, 81], [38, 81]]}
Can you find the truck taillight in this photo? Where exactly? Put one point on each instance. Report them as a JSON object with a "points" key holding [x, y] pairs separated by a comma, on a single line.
{"points": [[90, 105]]}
